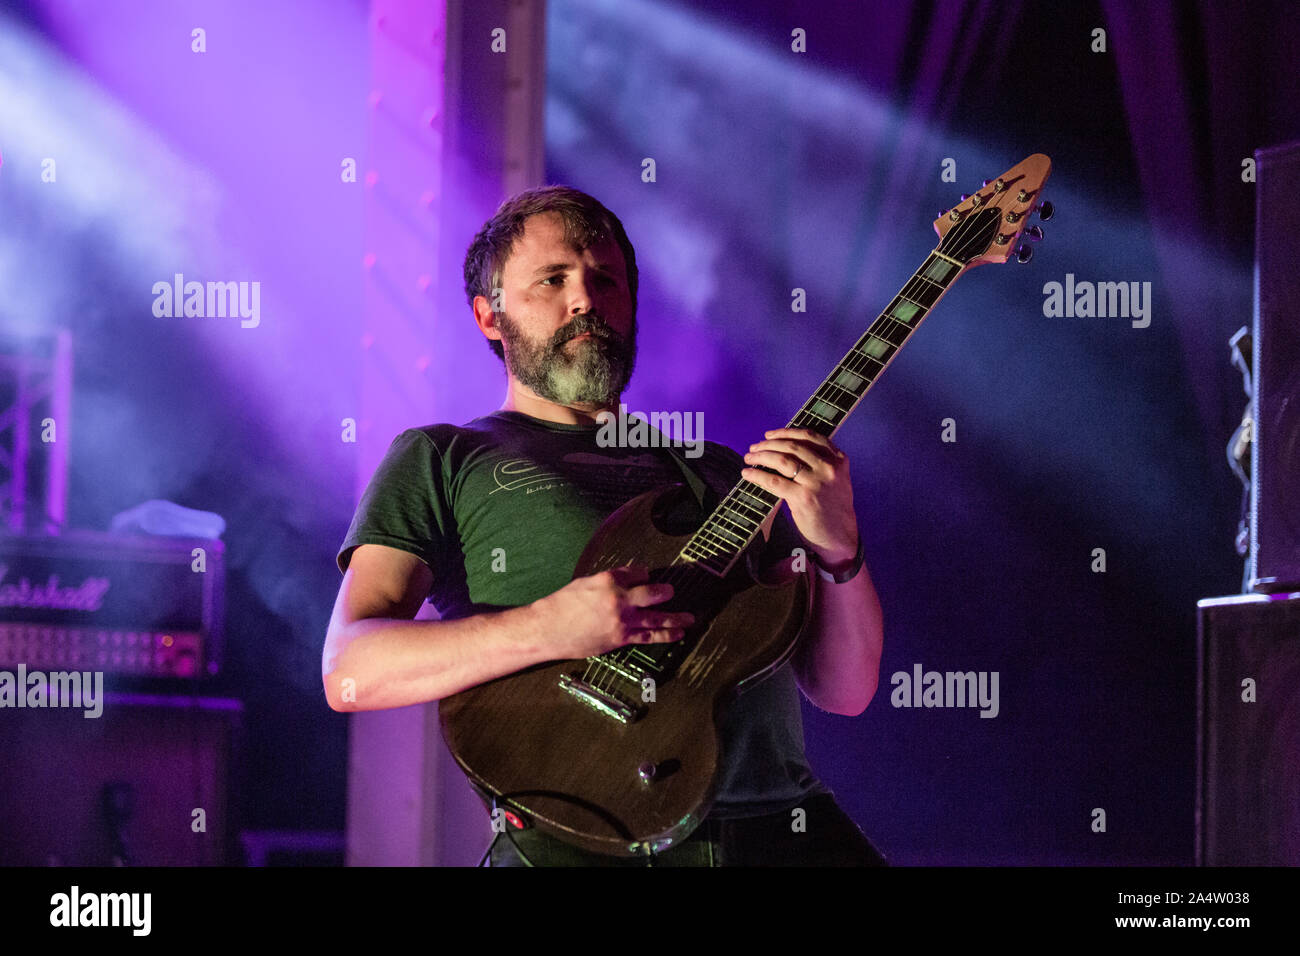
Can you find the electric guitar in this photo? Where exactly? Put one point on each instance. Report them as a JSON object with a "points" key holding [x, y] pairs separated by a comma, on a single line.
{"points": [[618, 754]]}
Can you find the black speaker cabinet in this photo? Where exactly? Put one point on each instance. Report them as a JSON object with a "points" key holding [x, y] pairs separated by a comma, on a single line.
{"points": [[1248, 731], [1275, 454], [78, 790]]}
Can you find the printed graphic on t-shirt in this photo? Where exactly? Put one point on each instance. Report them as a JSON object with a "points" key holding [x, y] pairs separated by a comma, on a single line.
{"points": [[511, 474], [603, 480]]}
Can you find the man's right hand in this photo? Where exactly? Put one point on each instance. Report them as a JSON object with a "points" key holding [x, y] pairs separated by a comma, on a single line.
{"points": [[597, 613]]}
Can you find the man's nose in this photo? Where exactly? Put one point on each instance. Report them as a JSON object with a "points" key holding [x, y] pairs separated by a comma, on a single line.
{"points": [[584, 295]]}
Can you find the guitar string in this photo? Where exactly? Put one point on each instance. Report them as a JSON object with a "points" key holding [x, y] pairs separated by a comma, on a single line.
{"points": [[680, 572]]}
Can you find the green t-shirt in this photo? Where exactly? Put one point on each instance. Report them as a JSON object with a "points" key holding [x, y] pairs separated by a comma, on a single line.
{"points": [[511, 487]]}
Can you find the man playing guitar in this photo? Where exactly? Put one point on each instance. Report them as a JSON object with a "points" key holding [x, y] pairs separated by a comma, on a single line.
{"points": [[487, 521]]}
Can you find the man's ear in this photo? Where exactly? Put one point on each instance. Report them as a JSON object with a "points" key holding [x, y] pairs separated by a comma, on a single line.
{"points": [[485, 318]]}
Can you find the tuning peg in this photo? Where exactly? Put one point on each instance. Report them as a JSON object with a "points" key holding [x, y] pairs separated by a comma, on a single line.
{"points": [[1024, 253], [965, 196], [1035, 233], [987, 181], [1046, 210], [942, 213]]}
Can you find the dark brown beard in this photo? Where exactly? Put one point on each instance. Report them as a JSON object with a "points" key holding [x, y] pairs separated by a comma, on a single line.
{"points": [[595, 371]]}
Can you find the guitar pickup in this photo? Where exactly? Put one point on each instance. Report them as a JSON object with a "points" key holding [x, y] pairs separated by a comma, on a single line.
{"points": [[609, 704]]}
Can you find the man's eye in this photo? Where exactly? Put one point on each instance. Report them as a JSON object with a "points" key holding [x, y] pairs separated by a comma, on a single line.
{"points": [[550, 278]]}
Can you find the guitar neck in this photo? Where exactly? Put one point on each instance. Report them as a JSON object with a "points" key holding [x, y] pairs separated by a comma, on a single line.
{"points": [[734, 524]]}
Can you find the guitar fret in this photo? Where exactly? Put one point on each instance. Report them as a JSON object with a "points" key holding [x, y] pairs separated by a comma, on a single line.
{"points": [[755, 519], [822, 398], [738, 503], [741, 524], [847, 380], [710, 565], [729, 541], [707, 536], [735, 517], [708, 561], [928, 294], [725, 512], [702, 541], [752, 496], [721, 533], [939, 269], [865, 367], [702, 548], [890, 323], [896, 334], [873, 344], [837, 390], [699, 548], [861, 354], [907, 312]]}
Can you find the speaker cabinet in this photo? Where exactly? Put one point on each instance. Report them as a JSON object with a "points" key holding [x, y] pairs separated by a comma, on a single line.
{"points": [[1248, 731], [1275, 454], [80, 791]]}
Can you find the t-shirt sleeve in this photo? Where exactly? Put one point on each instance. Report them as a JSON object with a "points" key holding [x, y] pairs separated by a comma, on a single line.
{"points": [[404, 506]]}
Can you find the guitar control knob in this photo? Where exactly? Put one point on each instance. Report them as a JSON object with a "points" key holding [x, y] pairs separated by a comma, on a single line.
{"points": [[1035, 233], [1046, 210], [646, 772], [1024, 253]]}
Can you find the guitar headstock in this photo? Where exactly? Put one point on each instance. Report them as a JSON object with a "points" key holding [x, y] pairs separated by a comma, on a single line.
{"points": [[986, 225]]}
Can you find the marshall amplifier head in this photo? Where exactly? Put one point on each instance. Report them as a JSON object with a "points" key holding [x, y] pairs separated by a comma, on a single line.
{"points": [[143, 605]]}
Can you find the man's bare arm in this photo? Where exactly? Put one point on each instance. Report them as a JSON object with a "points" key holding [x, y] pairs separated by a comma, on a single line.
{"points": [[837, 662], [390, 660]]}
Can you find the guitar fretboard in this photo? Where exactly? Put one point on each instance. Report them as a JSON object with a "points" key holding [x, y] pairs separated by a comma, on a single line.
{"points": [[740, 515]]}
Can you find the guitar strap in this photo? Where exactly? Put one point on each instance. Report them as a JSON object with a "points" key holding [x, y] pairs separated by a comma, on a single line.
{"points": [[704, 495]]}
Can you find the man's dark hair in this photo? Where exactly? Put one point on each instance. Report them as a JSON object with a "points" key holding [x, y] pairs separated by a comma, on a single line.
{"points": [[586, 222]]}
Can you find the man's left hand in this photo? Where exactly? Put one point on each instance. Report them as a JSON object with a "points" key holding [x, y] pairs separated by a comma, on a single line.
{"points": [[814, 481]]}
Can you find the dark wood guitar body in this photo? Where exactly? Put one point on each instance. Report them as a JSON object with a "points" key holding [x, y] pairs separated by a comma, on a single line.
{"points": [[623, 787]]}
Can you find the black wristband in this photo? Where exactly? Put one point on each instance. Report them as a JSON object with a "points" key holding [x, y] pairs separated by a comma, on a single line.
{"points": [[847, 575]]}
